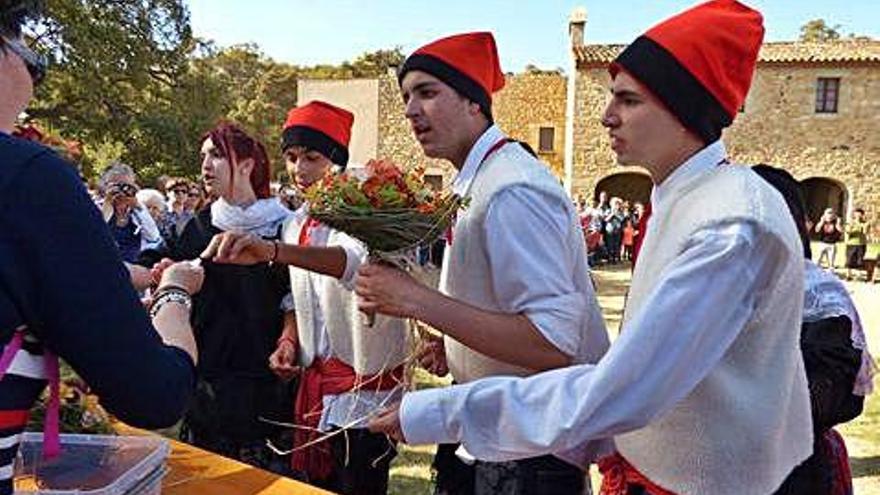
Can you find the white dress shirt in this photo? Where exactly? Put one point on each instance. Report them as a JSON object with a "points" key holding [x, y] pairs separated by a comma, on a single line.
{"points": [[528, 228], [702, 304]]}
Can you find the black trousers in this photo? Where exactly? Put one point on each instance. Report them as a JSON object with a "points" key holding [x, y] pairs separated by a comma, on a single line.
{"points": [[855, 256], [360, 463], [545, 475]]}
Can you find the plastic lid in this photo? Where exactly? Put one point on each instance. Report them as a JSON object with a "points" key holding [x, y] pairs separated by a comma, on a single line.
{"points": [[89, 464]]}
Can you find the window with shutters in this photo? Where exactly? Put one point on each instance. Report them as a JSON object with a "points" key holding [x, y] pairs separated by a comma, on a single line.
{"points": [[545, 139], [827, 94]]}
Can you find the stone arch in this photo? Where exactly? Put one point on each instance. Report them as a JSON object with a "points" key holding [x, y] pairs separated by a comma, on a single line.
{"points": [[629, 186], [824, 192]]}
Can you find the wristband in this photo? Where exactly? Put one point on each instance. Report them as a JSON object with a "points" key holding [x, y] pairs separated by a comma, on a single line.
{"points": [[170, 295]]}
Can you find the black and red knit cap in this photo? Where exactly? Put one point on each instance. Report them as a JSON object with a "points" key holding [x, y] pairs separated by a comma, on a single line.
{"points": [[700, 63], [321, 127], [466, 62]]}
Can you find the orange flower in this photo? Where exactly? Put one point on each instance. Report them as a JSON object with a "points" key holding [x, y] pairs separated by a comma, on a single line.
{"points": [[426, 208]]}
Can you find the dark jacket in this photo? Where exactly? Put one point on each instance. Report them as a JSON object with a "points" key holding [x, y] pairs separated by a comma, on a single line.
{"points": [[61, 274], [237, 319]]}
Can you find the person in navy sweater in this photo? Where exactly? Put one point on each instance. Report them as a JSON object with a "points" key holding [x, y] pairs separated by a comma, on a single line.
{"points": [[64, 290]]}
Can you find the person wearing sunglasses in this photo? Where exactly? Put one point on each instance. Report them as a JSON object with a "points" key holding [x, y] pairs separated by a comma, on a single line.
{"points": [[177, 190], [64, 290]]}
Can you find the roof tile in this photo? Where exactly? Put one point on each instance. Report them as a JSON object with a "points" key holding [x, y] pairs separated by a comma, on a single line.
{"points": [[771, 53]]}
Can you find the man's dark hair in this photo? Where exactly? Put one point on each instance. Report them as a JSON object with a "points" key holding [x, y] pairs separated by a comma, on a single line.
{"points": [[860, 210], [793, 194]]}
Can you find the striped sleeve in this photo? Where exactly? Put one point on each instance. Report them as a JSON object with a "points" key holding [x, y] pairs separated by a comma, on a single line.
{"points": [[17, 395]]}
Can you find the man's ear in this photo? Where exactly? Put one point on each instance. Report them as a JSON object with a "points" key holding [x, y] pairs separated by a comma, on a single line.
{"points": [[474, 108]]}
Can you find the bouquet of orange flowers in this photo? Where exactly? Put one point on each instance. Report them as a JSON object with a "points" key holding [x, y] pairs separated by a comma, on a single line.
{"points": [[391, 210]]}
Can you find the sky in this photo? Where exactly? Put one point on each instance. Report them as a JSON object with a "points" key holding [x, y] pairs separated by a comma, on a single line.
{"points": [[527, 31]]}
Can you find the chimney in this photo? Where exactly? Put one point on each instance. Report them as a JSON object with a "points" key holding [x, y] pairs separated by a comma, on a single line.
{"points": [[576, 24]]}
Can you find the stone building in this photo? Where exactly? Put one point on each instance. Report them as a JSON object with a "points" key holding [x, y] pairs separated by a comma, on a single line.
{"points": [[530, 108], [814, 109]]}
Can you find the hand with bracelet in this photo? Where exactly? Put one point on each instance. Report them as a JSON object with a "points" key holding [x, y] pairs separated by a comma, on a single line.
{"points": [[240, 248], [170, 308], [184, 276]]}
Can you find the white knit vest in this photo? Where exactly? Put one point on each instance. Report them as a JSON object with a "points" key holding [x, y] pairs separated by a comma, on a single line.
{"points": [[466, 272], [747, 424], [368, 350]]}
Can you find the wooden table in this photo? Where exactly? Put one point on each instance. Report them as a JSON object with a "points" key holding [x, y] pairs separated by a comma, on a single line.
{"points": [[193, 471]]}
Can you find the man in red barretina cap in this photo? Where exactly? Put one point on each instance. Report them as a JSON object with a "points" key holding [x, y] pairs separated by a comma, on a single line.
{"points": [[515, 296], [348, 370], [704, 392]]}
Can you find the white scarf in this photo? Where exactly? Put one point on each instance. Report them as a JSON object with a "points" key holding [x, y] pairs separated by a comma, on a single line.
{"points": [[825, 296], [262, 217]]}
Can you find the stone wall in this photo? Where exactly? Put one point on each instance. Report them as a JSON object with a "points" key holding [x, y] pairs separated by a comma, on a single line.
{"points": [[592, 157], [396, 140], [527, 103], [778, 126]]}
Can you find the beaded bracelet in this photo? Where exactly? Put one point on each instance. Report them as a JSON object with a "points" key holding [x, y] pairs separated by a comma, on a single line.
{"points": [[170, 295]]}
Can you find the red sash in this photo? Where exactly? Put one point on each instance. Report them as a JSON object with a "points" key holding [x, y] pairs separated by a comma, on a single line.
{"points": [[327, 377], [618, 475]]}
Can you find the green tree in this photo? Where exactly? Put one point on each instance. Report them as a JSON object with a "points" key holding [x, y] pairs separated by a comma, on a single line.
{"points": [[818, 30], [534, 69], [121, 73], [369, 64], [129, 81], [377, 63], [257, 91]]}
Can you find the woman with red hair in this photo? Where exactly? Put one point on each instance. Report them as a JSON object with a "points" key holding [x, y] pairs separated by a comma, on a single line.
{"points": [[238, 317]]}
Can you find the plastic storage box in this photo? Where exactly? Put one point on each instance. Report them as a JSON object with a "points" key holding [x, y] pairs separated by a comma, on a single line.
{"points": [[92, 465]]}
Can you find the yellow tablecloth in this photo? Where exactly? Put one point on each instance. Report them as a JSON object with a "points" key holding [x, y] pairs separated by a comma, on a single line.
{"points": [[193, 471]]}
